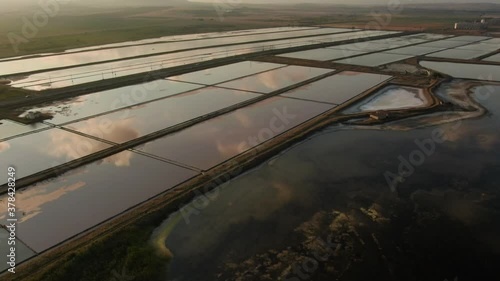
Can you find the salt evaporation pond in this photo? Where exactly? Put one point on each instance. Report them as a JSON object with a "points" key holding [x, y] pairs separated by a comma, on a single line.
{"points": [[373, 60], [494, 58], [274, 80], [265, 223], [216, 75], [459, 53], [9, 129], [23, 252], [107, 70], [85, 106], [467, 38], [447, 43], [384, 44], [53, 211], [43, 150], [132, 123], [197, 36], [465, 70], [323, 54], [390, 98], [338, 88], [414, 50], [234, 133], [99, 56], [175, 38]]}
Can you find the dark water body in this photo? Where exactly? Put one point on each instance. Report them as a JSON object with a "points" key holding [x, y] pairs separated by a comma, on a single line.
{"points": [[442, 223]]}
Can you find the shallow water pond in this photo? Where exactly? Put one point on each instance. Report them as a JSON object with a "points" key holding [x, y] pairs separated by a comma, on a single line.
{"points": [[390, 98]]}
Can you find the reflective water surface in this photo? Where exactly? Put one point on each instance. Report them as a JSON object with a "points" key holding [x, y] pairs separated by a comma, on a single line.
{"points": [[374, 59], [224, 73], [22, 251], [107, 70], [323, 54], [92, 73], [422, 37], [43, 150], [54, 211], [100, 102], [265, 224], [338, 88], [131, 123], [468, 38], [495, 58], [494, 41], [389, 98], [414, 50], [273, 80], [10, 128], [465, 70], [447, 43], [459, 53], [480, 46], [384, 44], [98, 56], [217, 140], [364, 47], [174, 38], [197, 36]]}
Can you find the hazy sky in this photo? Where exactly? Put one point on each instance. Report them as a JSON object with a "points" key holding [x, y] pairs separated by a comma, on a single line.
{"points": [[20, 5], [166, 2], [358, 1]]}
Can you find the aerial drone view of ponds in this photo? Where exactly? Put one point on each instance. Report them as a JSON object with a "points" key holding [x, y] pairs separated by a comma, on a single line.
{"points": [[347, 166]]}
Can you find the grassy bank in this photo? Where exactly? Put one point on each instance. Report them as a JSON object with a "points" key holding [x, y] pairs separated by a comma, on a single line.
{"points": [[128, 254]]}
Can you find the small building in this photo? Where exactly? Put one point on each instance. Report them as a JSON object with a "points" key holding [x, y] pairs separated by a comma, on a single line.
{"points": [[379, 115], [32, 115]]}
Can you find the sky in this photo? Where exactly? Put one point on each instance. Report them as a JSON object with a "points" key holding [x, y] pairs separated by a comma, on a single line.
{"points": [[166, 2], [20, 5], [381, 2]]}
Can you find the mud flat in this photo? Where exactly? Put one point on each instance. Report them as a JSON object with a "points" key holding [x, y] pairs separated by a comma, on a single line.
{"points": [[465, 100], [390, 98]]}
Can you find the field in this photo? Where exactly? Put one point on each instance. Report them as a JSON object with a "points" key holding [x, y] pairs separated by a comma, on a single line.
{"points": [[75, 26]]}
